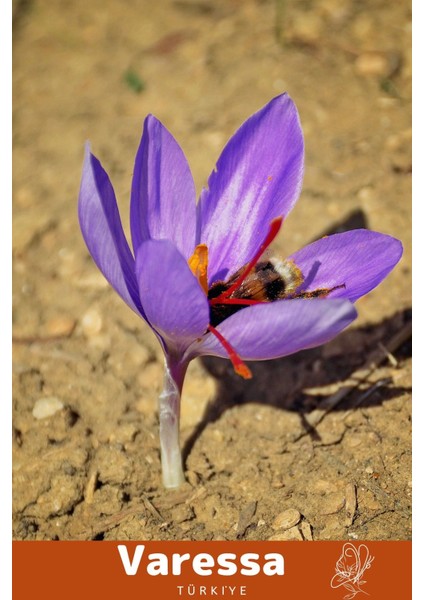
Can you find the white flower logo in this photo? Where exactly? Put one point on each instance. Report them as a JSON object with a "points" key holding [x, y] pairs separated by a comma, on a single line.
{"points": [[350, 569]]}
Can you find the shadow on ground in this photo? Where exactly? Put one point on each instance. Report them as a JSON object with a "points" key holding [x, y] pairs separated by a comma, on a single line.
{"points": [[305, 370]]}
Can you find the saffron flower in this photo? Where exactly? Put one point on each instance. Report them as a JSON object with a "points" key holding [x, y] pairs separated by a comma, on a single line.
{"points": [[197, 273]]}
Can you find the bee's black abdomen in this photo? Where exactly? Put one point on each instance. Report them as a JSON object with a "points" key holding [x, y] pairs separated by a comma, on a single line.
{"points": [[216, 289], [220, 312], [263, 284], [274, 289]]}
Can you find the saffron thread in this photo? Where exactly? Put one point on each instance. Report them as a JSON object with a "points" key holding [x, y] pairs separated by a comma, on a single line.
{"points": [[239, 366], [223, 298]]}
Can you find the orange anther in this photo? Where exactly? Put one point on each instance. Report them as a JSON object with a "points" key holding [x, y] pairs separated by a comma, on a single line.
{"points": [[198, 264]]}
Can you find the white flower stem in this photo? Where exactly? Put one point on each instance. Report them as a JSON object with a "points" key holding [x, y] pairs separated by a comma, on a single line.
{"points": [[169, 423]]}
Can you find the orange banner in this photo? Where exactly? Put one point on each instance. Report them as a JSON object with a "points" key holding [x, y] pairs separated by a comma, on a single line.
{"points": [[172, 570]]}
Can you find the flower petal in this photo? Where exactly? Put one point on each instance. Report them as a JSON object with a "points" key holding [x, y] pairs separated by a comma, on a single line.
{"points": [[258, 177], [174, 303], [279, 328], [163, 196], [102, 231], [360, 259]]}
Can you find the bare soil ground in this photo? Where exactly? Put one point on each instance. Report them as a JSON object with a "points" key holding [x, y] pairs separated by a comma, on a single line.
{"points": [[315, 446]]}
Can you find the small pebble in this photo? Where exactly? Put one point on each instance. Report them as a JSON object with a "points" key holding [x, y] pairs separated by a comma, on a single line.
{"points": [[323, 485], [90, 487], [277, 484], [332, 503], [350, 506], [60, 326], [46, 407], [182, 513], [287, 519], [306, 530], [366, 193], [377, 64], [331, 434], [91, 322]]}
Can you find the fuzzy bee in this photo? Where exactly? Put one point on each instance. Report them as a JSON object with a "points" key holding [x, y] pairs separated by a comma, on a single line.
{"points": [[267, 281]]}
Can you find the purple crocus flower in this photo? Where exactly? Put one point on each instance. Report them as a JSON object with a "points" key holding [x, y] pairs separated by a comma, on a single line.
{"points": [[196, 273]]}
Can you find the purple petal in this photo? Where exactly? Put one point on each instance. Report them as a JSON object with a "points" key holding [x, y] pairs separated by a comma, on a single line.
{"points": [[258, 177], [279, 328], [163, 196], [359, 259], [174, 303], [102, 231]]}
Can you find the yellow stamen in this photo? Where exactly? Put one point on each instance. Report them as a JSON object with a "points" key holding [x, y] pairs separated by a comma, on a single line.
{"points": [[198, 264]]}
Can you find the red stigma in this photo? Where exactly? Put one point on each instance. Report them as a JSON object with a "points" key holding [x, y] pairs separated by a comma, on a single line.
{"points": [[239, 366], [224, 298]]}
